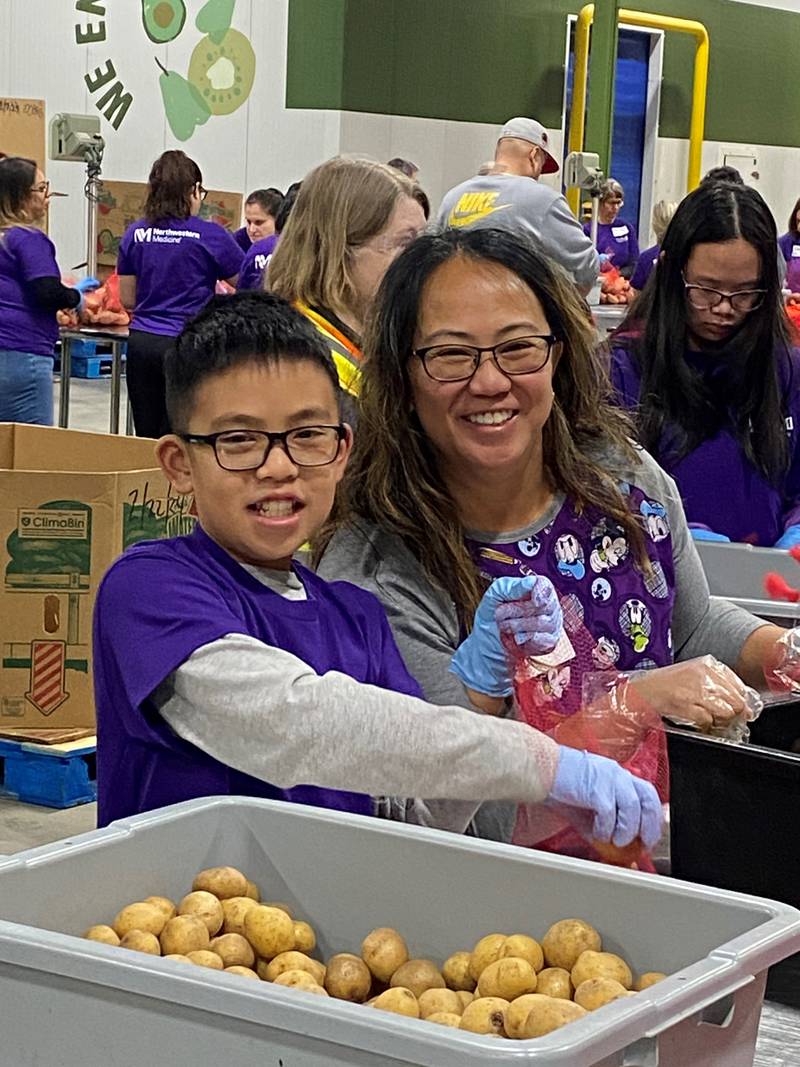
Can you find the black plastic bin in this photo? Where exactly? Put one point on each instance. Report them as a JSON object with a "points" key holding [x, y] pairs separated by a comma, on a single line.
{"points": [[735, 818]]}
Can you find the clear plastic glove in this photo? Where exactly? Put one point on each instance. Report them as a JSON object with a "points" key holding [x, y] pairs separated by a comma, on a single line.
{"points": [[624, 807], [789, 538], [702, 533], [783, 669], [525, 611], [702, 693]]}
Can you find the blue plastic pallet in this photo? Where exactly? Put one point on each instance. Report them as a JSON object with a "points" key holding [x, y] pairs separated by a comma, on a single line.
{"points": [[55, 776], [91, 366]]}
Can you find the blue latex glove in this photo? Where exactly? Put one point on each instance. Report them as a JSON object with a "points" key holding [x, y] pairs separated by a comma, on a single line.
{"points": [[87, 285], [527, 611], [603, 257], [625, 807], [789, 538], [702, 533]]}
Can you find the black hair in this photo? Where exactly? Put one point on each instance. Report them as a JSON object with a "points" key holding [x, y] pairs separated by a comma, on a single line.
{"points": [[421, 197], [405, 166], [793, 220], [678, 408], [723, 174], [17, 175], [269, 199], [250, 326], [285, 210]]}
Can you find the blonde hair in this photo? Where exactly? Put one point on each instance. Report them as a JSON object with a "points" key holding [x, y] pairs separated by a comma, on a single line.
{"points": [[341, 204], [662, 216]]}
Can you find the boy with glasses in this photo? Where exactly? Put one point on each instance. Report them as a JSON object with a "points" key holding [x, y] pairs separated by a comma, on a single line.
{"points": [[224, 666]]}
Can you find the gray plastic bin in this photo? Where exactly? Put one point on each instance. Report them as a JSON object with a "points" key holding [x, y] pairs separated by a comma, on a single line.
{"points": [[736, 572], [65, 1001]]}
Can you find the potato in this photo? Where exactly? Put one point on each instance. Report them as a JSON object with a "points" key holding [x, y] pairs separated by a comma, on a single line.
{"points": [[292, 961], [184, 934], [348, 978], [223, 882], [566, 940], [305, 940], [444, 1018], [141, 941], [417, 975], [486, 951], [465, 997], [252, 892], [205, 958], [595, 992], [455, 971], [244, 972], [554, 982], [234, 910], [601, 965], [384, 950], [522, 947], [205, 907], [234, 950], [163, 904], [399, 1001], [280, 905], [508, 979], [517, 1012], [104, 934], [438, 1002], [178, 957], [301, 980], [139, 916], [644, 982], [269, 930], [486, 1015], [544, 1017]]}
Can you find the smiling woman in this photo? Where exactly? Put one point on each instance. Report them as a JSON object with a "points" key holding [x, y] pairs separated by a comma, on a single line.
{"points": [[488, 447]]}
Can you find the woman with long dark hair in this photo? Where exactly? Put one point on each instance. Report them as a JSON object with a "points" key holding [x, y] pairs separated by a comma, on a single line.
{"points": [[705, 363], [169, 263], [789, 245]]}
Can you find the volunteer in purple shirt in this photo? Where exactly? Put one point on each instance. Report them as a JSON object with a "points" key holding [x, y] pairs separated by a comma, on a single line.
{"points": [[705, 361], [255, 261], [662, 214], [260, 212], [616, 238], [488, 446], [30, 295], [789, 245], [169, 263]]}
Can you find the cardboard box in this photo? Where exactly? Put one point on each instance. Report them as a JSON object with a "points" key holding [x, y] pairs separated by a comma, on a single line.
{"points": [[121, 203], [70, 502]]}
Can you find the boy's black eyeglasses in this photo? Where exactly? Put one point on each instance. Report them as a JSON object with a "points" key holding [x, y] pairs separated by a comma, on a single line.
{"points": [[703, 297], [247, 450], [458, 363]]}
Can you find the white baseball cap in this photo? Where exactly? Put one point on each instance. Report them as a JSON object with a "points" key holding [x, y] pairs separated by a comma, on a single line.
{"points": [[531, 130]]}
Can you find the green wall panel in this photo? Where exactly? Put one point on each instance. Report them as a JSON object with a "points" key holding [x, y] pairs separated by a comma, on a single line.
{"points": [[485, 60]]}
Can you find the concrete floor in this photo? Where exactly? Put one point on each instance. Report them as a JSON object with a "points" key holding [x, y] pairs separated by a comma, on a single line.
{"points": [[90, 403]]}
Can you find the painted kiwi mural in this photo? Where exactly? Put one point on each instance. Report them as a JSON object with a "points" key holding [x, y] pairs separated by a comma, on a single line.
{"points": [[221, 69]]}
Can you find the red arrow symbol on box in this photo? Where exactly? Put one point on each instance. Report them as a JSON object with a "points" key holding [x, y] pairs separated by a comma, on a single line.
{"points": [[47, 676]]}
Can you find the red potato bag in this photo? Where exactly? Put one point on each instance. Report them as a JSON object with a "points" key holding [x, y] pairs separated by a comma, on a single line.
{"points": [[104, 307]]}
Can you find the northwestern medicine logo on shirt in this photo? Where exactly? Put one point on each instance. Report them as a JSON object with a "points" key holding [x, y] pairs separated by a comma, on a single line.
{"points": [[146, 234], [472, 207]]}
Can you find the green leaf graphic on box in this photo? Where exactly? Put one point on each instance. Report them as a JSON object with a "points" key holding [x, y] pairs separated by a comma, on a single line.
{"points": [[140, 524], [183, 105], [57, 554], [215, 17]]}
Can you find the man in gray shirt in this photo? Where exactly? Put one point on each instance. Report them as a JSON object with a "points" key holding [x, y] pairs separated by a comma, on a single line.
{"points": [[511, 198]]}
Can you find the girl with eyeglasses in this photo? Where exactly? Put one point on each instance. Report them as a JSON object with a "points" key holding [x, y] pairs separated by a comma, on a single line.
{"points": [[30, 295], [705, 363], [169, 263], [489, 447]]}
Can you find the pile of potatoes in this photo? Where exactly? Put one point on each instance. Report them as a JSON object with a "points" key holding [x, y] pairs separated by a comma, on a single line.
{"points": [[509, 986]]}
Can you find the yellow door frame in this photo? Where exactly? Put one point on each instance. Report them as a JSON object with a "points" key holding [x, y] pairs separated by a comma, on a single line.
{"points": [[577, 116]]}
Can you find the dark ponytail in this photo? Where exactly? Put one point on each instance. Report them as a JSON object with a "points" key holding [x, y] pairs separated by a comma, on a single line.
{"points": [[173, 176]]}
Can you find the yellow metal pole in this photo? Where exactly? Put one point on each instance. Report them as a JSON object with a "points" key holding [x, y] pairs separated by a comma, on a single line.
{"points": [[699, 84]]}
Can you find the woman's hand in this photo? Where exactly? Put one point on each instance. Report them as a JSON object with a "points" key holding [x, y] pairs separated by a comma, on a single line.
{"points": [[702, 692]]}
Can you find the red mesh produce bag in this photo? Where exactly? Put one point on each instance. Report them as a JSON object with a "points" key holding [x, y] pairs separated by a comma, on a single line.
{"points": [[103, 307], [573, 697]]}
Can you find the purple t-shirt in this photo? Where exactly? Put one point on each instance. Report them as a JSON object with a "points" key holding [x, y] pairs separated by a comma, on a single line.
{"points": [[251, 276], [163, 600], [720, 487], [614, 615], [177, 263], [242, 238], [644, 267], [617, 240], [26, 254]]}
